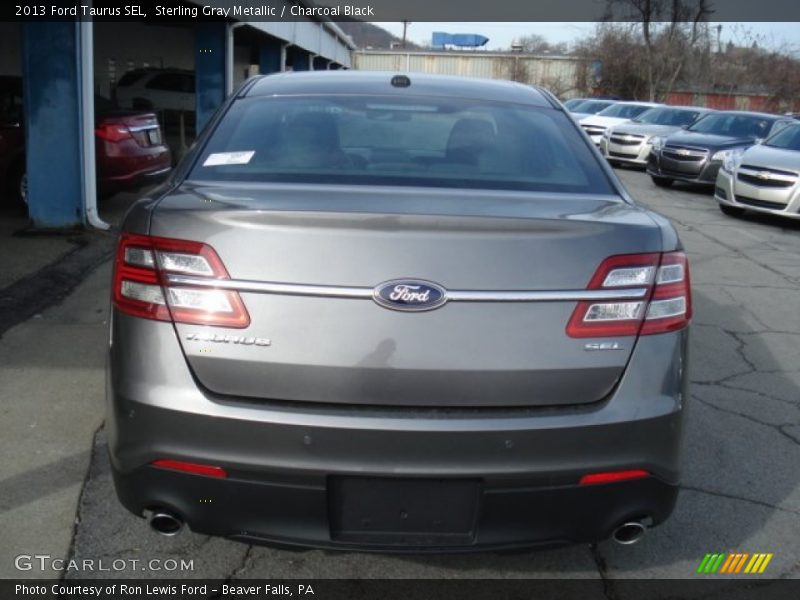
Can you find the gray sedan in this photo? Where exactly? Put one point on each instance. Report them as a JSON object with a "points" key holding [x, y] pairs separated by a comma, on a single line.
{"points": [[397, 313]]}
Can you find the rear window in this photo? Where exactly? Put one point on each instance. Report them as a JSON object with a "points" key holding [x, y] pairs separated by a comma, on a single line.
{"points": [[592, 107], [668, 116], [386, 140], [734, 125], [786, 139], [624, 111], [130, 78]]}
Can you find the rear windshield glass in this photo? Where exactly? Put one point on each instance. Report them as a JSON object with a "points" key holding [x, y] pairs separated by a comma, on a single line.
{"points": [[787, 139], [386, 140], [668, 116], [130, 78], [624, 111], [734, 125], [592, 107], [571, 104]]}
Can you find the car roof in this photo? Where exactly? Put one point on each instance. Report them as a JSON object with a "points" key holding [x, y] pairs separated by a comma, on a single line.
{"points": [[379, 83], [689, 107], [750, 113]]}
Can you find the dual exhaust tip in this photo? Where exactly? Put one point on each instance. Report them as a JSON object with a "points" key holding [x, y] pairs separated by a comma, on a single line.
{"points": [[629, 533], [165, 522], [169, 524]]}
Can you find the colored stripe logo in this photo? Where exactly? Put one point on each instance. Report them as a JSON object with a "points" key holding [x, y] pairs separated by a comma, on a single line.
{"points": [[734, 563]]}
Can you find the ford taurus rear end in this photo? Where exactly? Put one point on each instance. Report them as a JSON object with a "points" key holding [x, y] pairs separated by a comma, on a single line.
{"points": [[400, 314]]}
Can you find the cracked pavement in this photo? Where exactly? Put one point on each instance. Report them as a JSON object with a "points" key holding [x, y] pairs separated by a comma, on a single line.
{"points": [[741, 455]]}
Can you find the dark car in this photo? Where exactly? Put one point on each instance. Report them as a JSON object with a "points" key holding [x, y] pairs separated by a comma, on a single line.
{"points": [[12, 138], [695, 154], [129, 147], [397, 313]]}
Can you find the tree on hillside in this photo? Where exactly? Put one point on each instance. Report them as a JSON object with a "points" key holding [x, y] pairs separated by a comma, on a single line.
{"points": [[646, 45]]}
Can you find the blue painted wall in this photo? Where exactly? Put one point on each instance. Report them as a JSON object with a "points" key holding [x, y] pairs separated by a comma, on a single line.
{"points": [[51, 87], [300, 60], [209, 64], [269, 57]]}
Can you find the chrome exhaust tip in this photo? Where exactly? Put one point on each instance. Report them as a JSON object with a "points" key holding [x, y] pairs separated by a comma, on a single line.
{"points": [[165, 523], [629, 533]]}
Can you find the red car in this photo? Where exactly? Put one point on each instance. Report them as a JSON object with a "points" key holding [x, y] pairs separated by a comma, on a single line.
{"points": [[130, 150]]}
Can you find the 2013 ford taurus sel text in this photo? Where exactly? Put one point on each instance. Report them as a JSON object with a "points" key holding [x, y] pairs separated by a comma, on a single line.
{"points": [[397, 313]]}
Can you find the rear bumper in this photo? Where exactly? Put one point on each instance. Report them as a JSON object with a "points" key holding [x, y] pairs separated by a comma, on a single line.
{"points": [[117, 172], [275, 512], [282, 457]]}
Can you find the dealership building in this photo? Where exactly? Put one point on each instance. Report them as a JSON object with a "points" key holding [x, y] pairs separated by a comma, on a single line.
{"points": [[66, 65]]}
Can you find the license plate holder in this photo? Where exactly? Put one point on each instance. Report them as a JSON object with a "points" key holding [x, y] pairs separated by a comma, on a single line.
{"points": [[403, 511]]}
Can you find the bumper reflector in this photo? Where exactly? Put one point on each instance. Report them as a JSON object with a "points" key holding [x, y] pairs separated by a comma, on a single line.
{"points": [[193, 468], [613, 476]]}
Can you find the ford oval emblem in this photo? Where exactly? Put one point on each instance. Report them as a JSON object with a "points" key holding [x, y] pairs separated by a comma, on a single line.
{"points": [[411, 295]]}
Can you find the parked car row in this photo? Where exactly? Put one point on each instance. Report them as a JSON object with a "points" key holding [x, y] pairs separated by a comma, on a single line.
{"points": [[129, 147], [750, 159]]}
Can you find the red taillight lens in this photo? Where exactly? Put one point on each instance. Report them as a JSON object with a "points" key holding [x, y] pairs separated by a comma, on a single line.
{"points": [[142, 289], [612, 476], [193, 468], [665, 305], [670, 308], [112, 132]]}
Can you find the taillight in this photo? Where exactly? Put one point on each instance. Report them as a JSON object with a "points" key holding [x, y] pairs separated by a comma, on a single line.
{"points": [[141, 287], [665, 306], [112, 132]]}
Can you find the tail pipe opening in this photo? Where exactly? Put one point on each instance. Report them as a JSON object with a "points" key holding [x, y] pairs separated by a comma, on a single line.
{"points": [[165, 523], [629, 533]]}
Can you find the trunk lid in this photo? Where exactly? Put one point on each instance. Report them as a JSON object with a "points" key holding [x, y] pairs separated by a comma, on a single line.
{"points": [[354, 351], [143, 127]]}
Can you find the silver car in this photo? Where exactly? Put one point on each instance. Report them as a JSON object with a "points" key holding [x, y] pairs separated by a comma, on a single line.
{"points": [[397, 313], [763, 178], [630, 143], [588, 107]]}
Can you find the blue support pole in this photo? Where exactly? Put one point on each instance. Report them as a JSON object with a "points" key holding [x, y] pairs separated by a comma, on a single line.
{"points": [[270, 57], [209, 66], [51, 87]]}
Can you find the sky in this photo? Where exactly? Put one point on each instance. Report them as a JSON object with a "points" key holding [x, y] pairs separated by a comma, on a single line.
{"points": [[775, 35]]}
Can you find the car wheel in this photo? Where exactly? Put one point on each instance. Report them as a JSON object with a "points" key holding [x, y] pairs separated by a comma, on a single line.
{"points": [[17, 185], [731, 211], [662, 182]]}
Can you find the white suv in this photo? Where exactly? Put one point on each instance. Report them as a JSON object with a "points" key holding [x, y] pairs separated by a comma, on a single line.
{"points": [[157, 89]]}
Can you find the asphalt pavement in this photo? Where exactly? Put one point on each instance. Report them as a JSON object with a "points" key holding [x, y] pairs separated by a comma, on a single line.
{"points": [[742, 449]]}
